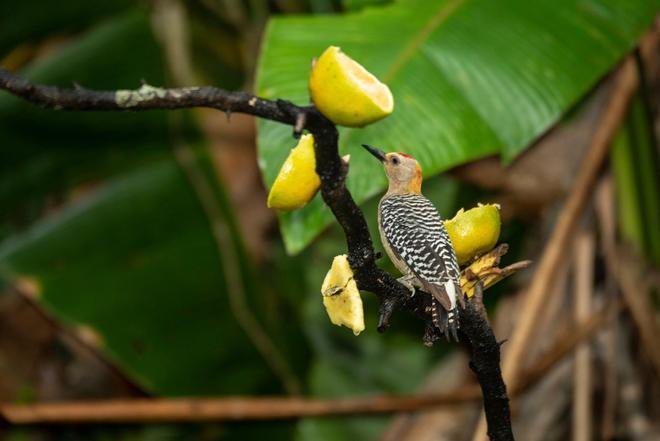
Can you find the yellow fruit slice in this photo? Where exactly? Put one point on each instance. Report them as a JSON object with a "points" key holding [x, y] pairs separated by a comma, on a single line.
{"points": [[346, 93], [341, 297], [474, 232], [297, 182]]}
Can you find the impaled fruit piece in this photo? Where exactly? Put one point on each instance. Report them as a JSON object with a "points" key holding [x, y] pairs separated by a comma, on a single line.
{"points": [[346, 93], [341, 297], [474, 232], [297, 182]]}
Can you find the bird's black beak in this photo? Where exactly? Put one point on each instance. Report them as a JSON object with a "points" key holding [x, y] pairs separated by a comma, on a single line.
{"points": [[379, 154]]}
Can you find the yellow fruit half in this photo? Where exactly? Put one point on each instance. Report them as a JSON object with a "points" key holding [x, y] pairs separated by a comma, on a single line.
{"points": [[297, 182], [346, 93], [341, 297], [474, 232]]}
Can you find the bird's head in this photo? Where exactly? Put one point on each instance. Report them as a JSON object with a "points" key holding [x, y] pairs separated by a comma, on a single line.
{"points": [[403, 171]]}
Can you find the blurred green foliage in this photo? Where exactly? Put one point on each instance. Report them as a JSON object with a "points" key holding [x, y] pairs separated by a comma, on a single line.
{"points": [[45, 153], [28, 22], [636, 166], [355, 5]]}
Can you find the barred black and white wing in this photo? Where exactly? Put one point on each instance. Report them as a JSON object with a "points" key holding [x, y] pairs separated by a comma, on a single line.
{"points": [[416, 234]]}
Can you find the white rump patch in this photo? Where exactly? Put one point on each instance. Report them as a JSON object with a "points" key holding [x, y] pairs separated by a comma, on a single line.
{"points": [[451, 292]]}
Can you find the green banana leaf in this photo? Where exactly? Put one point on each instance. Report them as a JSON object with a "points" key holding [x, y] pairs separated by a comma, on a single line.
{"points": [[470, 78]]}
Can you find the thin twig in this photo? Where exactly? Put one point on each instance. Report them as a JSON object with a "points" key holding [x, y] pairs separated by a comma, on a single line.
{"points": [[228, 409], [606, 219], [583, 282]]}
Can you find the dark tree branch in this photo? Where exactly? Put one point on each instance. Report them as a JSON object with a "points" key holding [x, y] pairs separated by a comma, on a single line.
{"points": [[149, 98], [485, 351], [485, 363]]}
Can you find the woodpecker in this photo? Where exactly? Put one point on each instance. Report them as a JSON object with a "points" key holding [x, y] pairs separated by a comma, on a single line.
{"points": [[414, 237]]}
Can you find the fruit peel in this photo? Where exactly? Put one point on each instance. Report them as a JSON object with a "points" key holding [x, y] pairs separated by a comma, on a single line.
{"points": [[341, 296], [474, 232], [486, 270], [297, 181], [345, 92]]}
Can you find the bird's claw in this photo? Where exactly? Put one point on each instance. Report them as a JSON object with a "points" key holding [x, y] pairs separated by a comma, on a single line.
{"points": [[407, 281], [453, 329]]}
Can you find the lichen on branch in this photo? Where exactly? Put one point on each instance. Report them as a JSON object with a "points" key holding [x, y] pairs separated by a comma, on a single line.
{"points": [[132, 98]]}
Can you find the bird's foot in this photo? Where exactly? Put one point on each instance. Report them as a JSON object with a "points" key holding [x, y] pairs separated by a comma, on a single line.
{"points": [[407, 281]]}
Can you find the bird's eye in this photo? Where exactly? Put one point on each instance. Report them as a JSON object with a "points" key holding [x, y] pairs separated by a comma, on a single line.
{"points": [[395, 160]]}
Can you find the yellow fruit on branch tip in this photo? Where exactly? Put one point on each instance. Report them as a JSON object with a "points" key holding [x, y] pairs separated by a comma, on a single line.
{"points": [[341, 297], [297, 182], [474, 232], [347, 93]]}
